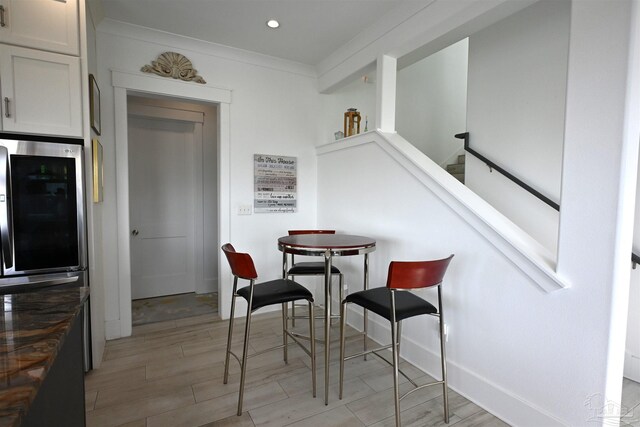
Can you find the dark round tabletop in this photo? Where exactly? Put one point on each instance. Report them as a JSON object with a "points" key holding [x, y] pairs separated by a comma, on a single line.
{"points": [[326, 241]]}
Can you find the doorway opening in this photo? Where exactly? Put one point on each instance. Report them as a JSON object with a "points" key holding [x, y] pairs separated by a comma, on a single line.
{"points": [[173, 206]]}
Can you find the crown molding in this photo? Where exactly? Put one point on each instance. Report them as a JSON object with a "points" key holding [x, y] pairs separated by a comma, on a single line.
{"points": [[189, 44]]}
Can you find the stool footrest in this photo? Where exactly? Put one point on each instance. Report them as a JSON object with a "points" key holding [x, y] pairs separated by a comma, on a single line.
{"points": [[419, 387], [277, 347], [353, 356]]}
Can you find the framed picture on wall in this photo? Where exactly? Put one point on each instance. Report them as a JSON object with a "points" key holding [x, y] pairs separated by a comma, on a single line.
{"points": [[97, 171], [94, 104]]}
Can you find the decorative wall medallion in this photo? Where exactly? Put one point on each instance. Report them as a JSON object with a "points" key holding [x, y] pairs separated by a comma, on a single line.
{"points": [[175, 65]]}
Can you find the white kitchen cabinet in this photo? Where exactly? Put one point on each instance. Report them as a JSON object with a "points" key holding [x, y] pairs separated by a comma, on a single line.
{"points": [[40, 92], [50, 25]]}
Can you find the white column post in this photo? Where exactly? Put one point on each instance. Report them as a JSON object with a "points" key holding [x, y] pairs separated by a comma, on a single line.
{"points": [[598, 192], [386, 93]]}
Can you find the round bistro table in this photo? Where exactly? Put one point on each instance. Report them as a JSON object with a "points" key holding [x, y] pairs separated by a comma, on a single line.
{"points": [[328, 246]]}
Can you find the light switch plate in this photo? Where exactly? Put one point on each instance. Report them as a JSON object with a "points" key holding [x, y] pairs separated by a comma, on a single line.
{"points": [[244, 210]]}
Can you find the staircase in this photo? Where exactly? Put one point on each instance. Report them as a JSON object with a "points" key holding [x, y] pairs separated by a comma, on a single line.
{"points": [[457, 169]]}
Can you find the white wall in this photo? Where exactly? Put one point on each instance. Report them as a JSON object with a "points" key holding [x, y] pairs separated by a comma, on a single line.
{"points": [[632, 352], [273, 111], [515, 116], [431, 102], [632, 346], [94, 210], [532, 358], [355, 94], [506, 337]]}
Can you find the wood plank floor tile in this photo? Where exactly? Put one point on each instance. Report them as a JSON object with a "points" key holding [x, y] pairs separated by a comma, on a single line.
{"points": [[279, 370], [131, 411], [338, 417], [153, 327], [95, 379], [90, 399], [431, 412], [301, 406], [381, 406], [243, 420], [481, 419], [170, 374], [141, 358], [219, 408], [113, 396], [137, 423]]}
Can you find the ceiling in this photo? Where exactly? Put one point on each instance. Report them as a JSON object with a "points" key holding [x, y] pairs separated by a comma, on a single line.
{"points": [[309, 30]]}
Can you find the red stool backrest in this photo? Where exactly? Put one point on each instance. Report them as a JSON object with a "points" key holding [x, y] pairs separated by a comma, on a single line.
{"points": [[416, 274], [294, 232], [241, 264]]}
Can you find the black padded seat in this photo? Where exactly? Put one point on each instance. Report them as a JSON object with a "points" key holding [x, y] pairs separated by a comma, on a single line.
{"points": [[378, 300], [310, 268], [275, 292]]}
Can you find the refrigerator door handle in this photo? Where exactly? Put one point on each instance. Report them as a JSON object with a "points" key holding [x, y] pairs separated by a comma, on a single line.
{"points": [[55, 282], [5, 198]]}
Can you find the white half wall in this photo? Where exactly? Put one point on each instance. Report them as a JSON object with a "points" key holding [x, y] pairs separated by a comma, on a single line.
{"points": [[504, 330], [513, 347]]}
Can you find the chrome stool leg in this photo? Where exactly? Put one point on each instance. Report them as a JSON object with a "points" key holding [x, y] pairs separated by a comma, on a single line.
{"points": [[285, 337], [394, 350], [229, 337], [343, 320], [243, 369], [443, 359], [312, 338], [293, 307]]}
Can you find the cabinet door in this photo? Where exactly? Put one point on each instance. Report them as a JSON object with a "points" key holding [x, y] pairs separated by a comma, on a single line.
{"points": [[41, 24], [41, 92]]}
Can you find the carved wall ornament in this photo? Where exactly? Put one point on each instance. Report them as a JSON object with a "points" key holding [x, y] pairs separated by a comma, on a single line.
{"points": [[175, 65]]}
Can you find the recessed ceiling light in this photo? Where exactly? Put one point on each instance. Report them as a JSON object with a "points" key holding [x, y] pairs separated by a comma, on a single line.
{"points": [[272, 23]]}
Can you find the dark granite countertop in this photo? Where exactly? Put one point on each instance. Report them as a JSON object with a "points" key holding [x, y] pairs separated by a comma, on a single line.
{"points": [[33, 328]]}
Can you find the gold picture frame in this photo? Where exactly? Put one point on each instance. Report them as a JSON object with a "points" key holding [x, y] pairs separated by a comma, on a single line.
{"points": [[98, 172], [94, 105]]}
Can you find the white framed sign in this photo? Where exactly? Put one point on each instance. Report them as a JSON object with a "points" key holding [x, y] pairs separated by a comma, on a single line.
{"points": [[275, 182]]}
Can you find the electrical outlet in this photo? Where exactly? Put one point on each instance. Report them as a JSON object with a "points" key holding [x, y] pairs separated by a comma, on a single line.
{"points": [[446, 332], [244, 210]]}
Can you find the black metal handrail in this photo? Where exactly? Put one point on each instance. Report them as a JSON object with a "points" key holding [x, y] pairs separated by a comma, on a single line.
{"points": [[635, 259], [492, 165]]}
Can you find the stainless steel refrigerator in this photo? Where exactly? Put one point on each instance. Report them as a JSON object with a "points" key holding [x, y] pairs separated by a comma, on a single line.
{"points": [[42, 221]]}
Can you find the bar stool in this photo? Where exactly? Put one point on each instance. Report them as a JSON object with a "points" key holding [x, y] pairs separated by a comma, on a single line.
{"points": [[280, 291], [312, 269], [396, 306]]}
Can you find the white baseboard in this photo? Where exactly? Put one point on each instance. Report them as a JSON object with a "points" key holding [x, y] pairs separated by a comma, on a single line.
{"points": [[491, 397], [112, 329]]}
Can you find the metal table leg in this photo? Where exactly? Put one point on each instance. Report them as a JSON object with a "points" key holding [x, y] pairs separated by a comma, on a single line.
{"points": [[365, 317], [327, 322]]}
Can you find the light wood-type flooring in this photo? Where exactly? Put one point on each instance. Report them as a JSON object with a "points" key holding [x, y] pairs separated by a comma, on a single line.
{"points": [[170, 374]]}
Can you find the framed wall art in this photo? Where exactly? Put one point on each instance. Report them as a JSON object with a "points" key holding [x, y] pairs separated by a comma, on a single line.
{"points": [[94, 104], [98, 174]]}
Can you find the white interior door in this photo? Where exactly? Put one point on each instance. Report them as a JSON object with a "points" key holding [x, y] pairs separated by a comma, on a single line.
{"points": [[162, 191]]}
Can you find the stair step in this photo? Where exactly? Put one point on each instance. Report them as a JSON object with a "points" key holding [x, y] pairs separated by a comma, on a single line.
{"points": [[461, 159], [456, 168], [458, 176]]}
